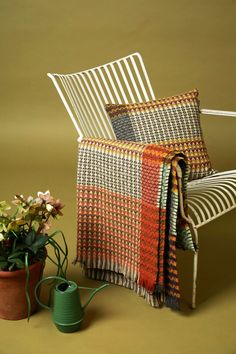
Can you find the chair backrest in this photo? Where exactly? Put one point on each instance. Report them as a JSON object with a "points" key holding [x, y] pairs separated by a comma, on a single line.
{"points": [[85, 93]]}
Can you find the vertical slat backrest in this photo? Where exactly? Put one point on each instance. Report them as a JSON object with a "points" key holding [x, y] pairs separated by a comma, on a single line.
{"points": [[85, 93]]}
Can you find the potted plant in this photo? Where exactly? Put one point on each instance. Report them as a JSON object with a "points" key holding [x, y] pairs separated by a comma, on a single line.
{"points": [[23, 250]]}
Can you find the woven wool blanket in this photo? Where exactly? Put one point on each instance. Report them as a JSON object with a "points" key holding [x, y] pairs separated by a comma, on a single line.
{"points": [[128, 216]]}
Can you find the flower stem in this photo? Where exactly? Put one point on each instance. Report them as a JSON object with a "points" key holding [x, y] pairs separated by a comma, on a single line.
{"points": [[27, 284]]}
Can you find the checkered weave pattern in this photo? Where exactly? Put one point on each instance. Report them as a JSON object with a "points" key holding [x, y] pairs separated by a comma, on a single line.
{"points": [[173, 122], [128, 217]]}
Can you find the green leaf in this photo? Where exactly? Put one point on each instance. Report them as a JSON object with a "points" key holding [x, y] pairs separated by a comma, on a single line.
{"points": [[2, 258], [28, 217], [30, 238], [4, 219], [16, 255], [20, 246], [11, 267], [39, 243], [3, 264], [17, 262]]}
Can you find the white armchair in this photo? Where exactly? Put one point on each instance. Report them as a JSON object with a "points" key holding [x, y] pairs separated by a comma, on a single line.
{"points": [[125, 80]]}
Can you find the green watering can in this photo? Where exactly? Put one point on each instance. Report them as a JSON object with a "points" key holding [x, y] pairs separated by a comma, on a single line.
{"points": [[67, 311]]}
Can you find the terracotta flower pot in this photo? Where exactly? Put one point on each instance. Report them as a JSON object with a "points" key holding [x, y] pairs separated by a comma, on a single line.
{"points": [[13, 302]]}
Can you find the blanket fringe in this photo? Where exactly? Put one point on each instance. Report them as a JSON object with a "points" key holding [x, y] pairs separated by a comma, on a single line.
{"points": [[154, 300], [172, 302]]}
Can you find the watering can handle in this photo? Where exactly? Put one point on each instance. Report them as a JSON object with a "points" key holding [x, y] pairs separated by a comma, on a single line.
{"points": [[36, 290]]}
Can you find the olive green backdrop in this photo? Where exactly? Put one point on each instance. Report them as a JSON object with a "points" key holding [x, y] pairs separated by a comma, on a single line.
{"points": [[185, 44]]}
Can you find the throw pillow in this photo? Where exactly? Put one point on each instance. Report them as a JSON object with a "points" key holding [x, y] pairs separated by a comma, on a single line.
{"points": [[173, 122]]}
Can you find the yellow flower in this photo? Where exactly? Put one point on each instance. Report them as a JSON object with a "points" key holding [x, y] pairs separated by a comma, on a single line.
{"points": [[3, 207], [3, 227], [18, 199], [49, 207]]}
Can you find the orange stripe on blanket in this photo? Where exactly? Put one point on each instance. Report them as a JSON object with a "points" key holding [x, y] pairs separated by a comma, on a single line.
{"points": [[152, 236]]}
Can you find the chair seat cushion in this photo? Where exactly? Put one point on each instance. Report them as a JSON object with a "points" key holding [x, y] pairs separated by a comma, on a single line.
{"points": [[173, 122]]}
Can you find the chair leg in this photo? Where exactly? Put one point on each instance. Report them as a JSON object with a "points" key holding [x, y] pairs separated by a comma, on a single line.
{"points": [[195, 265]]}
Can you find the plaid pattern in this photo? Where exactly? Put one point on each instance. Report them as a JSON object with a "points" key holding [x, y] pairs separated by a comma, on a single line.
{"points": [[128, 218], [173, 122]]}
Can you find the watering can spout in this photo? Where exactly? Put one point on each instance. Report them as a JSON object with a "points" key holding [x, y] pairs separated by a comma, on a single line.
{"points": [[94, 292]]}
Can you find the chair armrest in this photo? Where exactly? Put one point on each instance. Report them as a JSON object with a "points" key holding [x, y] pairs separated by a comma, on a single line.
{"points": [[218, 113]]}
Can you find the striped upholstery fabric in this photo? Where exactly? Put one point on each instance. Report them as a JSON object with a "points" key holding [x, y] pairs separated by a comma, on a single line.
{"points": [[127, 215], [173, 122]]}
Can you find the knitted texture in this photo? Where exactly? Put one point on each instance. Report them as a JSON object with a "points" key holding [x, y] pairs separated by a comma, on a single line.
{"points": [[173, 122], [128, 216]]}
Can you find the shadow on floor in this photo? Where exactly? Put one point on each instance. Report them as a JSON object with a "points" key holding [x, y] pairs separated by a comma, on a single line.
{"points": [[216, 269]]}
